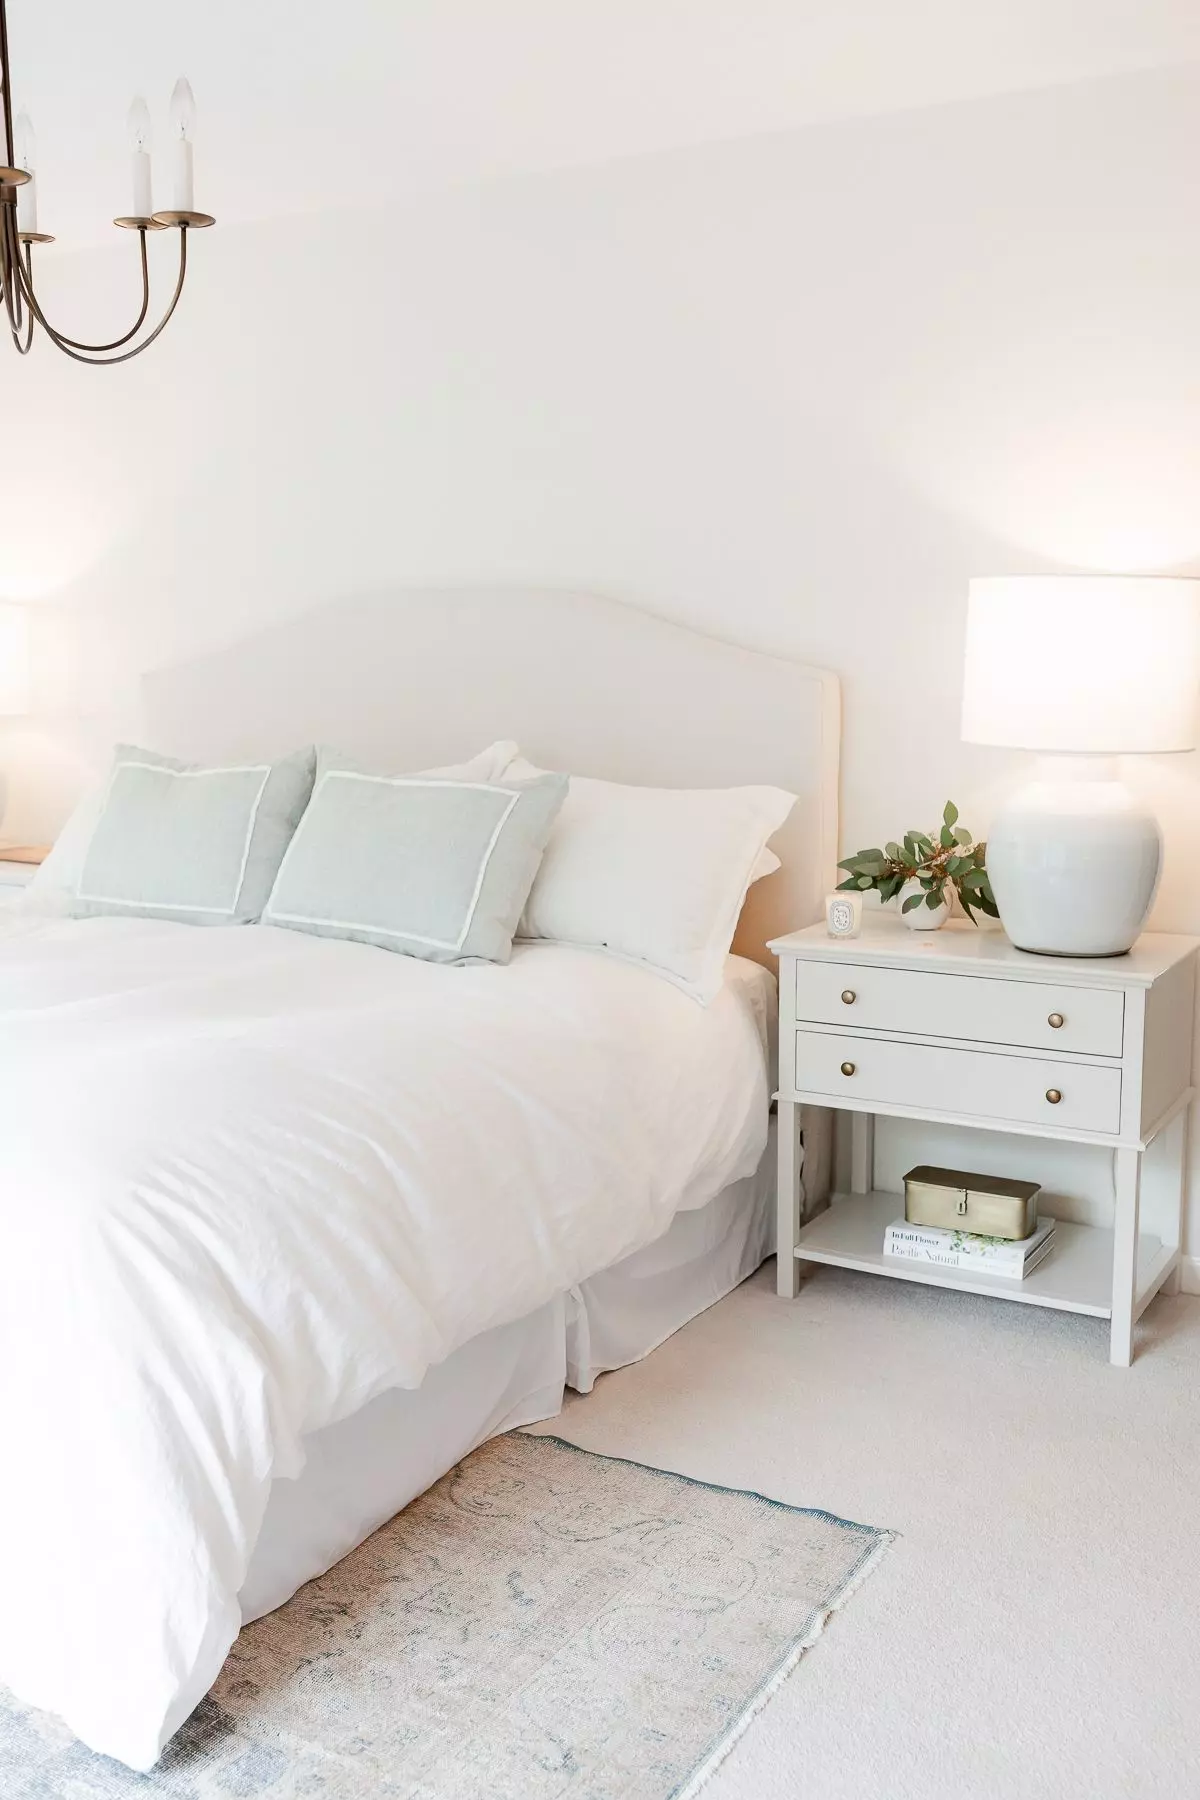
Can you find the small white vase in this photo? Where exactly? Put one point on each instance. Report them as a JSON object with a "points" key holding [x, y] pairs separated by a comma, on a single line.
{"points": [[921, 918]]}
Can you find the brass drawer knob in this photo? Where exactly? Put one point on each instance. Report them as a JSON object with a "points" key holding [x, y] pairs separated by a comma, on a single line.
{"points": [[1056, 1021], [1054, 1095], [847, 1068], [848, 996]]}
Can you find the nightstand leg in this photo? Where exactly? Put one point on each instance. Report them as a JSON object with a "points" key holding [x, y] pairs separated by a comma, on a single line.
{"points": [[862, 1152], [789, 1198], [1179, 1131], [1125, 1238]]}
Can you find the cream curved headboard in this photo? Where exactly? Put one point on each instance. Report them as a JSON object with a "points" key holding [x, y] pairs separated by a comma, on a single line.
{"points": [[419, 677]]}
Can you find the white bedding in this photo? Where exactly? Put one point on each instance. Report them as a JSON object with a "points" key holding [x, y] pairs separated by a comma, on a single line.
{"points": [[248, 1180]]}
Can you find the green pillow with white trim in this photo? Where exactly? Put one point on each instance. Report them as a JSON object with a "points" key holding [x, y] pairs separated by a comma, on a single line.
{"points": [[177, 840], [425, 865]]}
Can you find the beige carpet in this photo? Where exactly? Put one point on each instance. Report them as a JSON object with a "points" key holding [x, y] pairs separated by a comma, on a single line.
{"points": [[1034, 1634], [544, 1624]]}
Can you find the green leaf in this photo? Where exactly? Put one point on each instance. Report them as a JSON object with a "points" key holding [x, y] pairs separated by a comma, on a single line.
{"points": [[913, 900], [910, 845], [866, 881], [975, 878], [850, 882], [962, 834], [933, 899], [946, 838], [894, 852], [921, 841], [950, 816]]}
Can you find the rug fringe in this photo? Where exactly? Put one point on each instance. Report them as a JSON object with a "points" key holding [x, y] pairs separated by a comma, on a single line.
{"points": [[704, 1772]]}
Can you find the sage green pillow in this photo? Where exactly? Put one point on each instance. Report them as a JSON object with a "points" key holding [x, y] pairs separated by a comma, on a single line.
{"points": [[421, 864], [175, 840]]}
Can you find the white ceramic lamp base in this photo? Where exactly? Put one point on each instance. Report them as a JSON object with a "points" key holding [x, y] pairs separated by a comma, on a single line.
{"points": [[1074, 860]]}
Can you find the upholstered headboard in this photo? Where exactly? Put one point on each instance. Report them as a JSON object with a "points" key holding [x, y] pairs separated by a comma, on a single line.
{"points": [[420, 677]]}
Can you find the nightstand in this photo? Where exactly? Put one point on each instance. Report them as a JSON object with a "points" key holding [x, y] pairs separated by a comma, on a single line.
{"points": [[957, 1027], [19, 864]]}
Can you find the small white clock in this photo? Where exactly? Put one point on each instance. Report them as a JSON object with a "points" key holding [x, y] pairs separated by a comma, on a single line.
{"points": [[843, 915]]}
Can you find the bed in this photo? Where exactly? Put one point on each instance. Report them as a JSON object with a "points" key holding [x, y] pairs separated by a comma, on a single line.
{"points": [[226, 1365]]}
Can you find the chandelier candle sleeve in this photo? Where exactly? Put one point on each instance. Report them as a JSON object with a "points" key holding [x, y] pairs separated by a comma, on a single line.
{"points": [[183, 127], [139, 144], [26, 154]]}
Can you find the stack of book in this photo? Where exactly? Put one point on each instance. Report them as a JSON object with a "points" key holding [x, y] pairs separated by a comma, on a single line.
{"points": [[1013, 1258]]}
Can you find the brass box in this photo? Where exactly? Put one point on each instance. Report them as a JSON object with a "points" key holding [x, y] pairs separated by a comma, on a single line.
{"points": [[958, 1201]]}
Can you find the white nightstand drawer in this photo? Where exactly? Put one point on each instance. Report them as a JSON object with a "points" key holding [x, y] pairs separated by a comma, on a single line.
{"points": [[971, 1082], [1089, 1020]]}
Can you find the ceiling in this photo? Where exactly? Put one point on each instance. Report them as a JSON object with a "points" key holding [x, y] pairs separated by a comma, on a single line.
{"points": [[305, 107]]}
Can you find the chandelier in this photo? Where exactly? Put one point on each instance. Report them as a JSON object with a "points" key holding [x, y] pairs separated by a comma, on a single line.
{"points": [[19, 221]]}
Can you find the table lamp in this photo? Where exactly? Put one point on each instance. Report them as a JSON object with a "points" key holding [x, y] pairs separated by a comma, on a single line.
{"points": [[14, 671], [1083, 668], [14, 660]]}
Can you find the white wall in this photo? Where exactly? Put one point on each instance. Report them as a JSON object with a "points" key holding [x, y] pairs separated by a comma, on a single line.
{"points": [[793, 390]]}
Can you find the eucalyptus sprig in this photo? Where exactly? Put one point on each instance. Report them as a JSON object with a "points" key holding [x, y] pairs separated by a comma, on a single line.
{"points": [[954, 861]]}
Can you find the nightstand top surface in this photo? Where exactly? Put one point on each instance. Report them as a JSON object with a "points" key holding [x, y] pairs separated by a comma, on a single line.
{"points": [[19, 863], [962, 948]]}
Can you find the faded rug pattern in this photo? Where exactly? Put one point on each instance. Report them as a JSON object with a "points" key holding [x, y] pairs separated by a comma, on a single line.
{"points": [[543, 1624]]}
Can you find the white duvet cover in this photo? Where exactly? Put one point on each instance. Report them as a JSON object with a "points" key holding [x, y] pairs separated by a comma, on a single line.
{"points": [[251, 1178]]}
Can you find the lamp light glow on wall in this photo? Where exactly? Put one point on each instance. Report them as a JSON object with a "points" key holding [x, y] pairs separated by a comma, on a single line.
{"points": [[14, 661], [1082, 668]]}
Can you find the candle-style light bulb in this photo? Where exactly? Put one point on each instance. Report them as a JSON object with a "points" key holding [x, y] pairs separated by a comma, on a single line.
{"points": [[139, 128], [24, 142], [183, 110], [25, 151], [183, 130]]}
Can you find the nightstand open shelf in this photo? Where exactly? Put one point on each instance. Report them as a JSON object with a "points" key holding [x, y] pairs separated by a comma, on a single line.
{"points": [[1075, 1277]]}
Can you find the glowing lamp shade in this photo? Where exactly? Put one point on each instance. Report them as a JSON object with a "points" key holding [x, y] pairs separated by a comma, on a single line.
{"points": [[14, 660], [1103, 664]]}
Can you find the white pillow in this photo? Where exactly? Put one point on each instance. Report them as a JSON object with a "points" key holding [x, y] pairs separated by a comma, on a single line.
{"points": [[56, 880], [56, 883], [653, 875]]}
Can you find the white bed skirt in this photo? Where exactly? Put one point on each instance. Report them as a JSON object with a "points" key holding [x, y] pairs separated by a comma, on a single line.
{"points": [[360, 1472]]}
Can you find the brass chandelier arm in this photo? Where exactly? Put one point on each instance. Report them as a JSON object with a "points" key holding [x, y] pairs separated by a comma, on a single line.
{"points": [[19, 319], [98, 349], [76, 352], [27, 346]]}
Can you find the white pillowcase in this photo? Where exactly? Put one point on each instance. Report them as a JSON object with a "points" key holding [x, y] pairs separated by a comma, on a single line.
{"points": [[56, 883], [653, 875]]}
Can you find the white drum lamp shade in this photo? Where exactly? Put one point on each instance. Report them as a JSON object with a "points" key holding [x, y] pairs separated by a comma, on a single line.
{"points": [[14, 660], [1080, 667]]}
